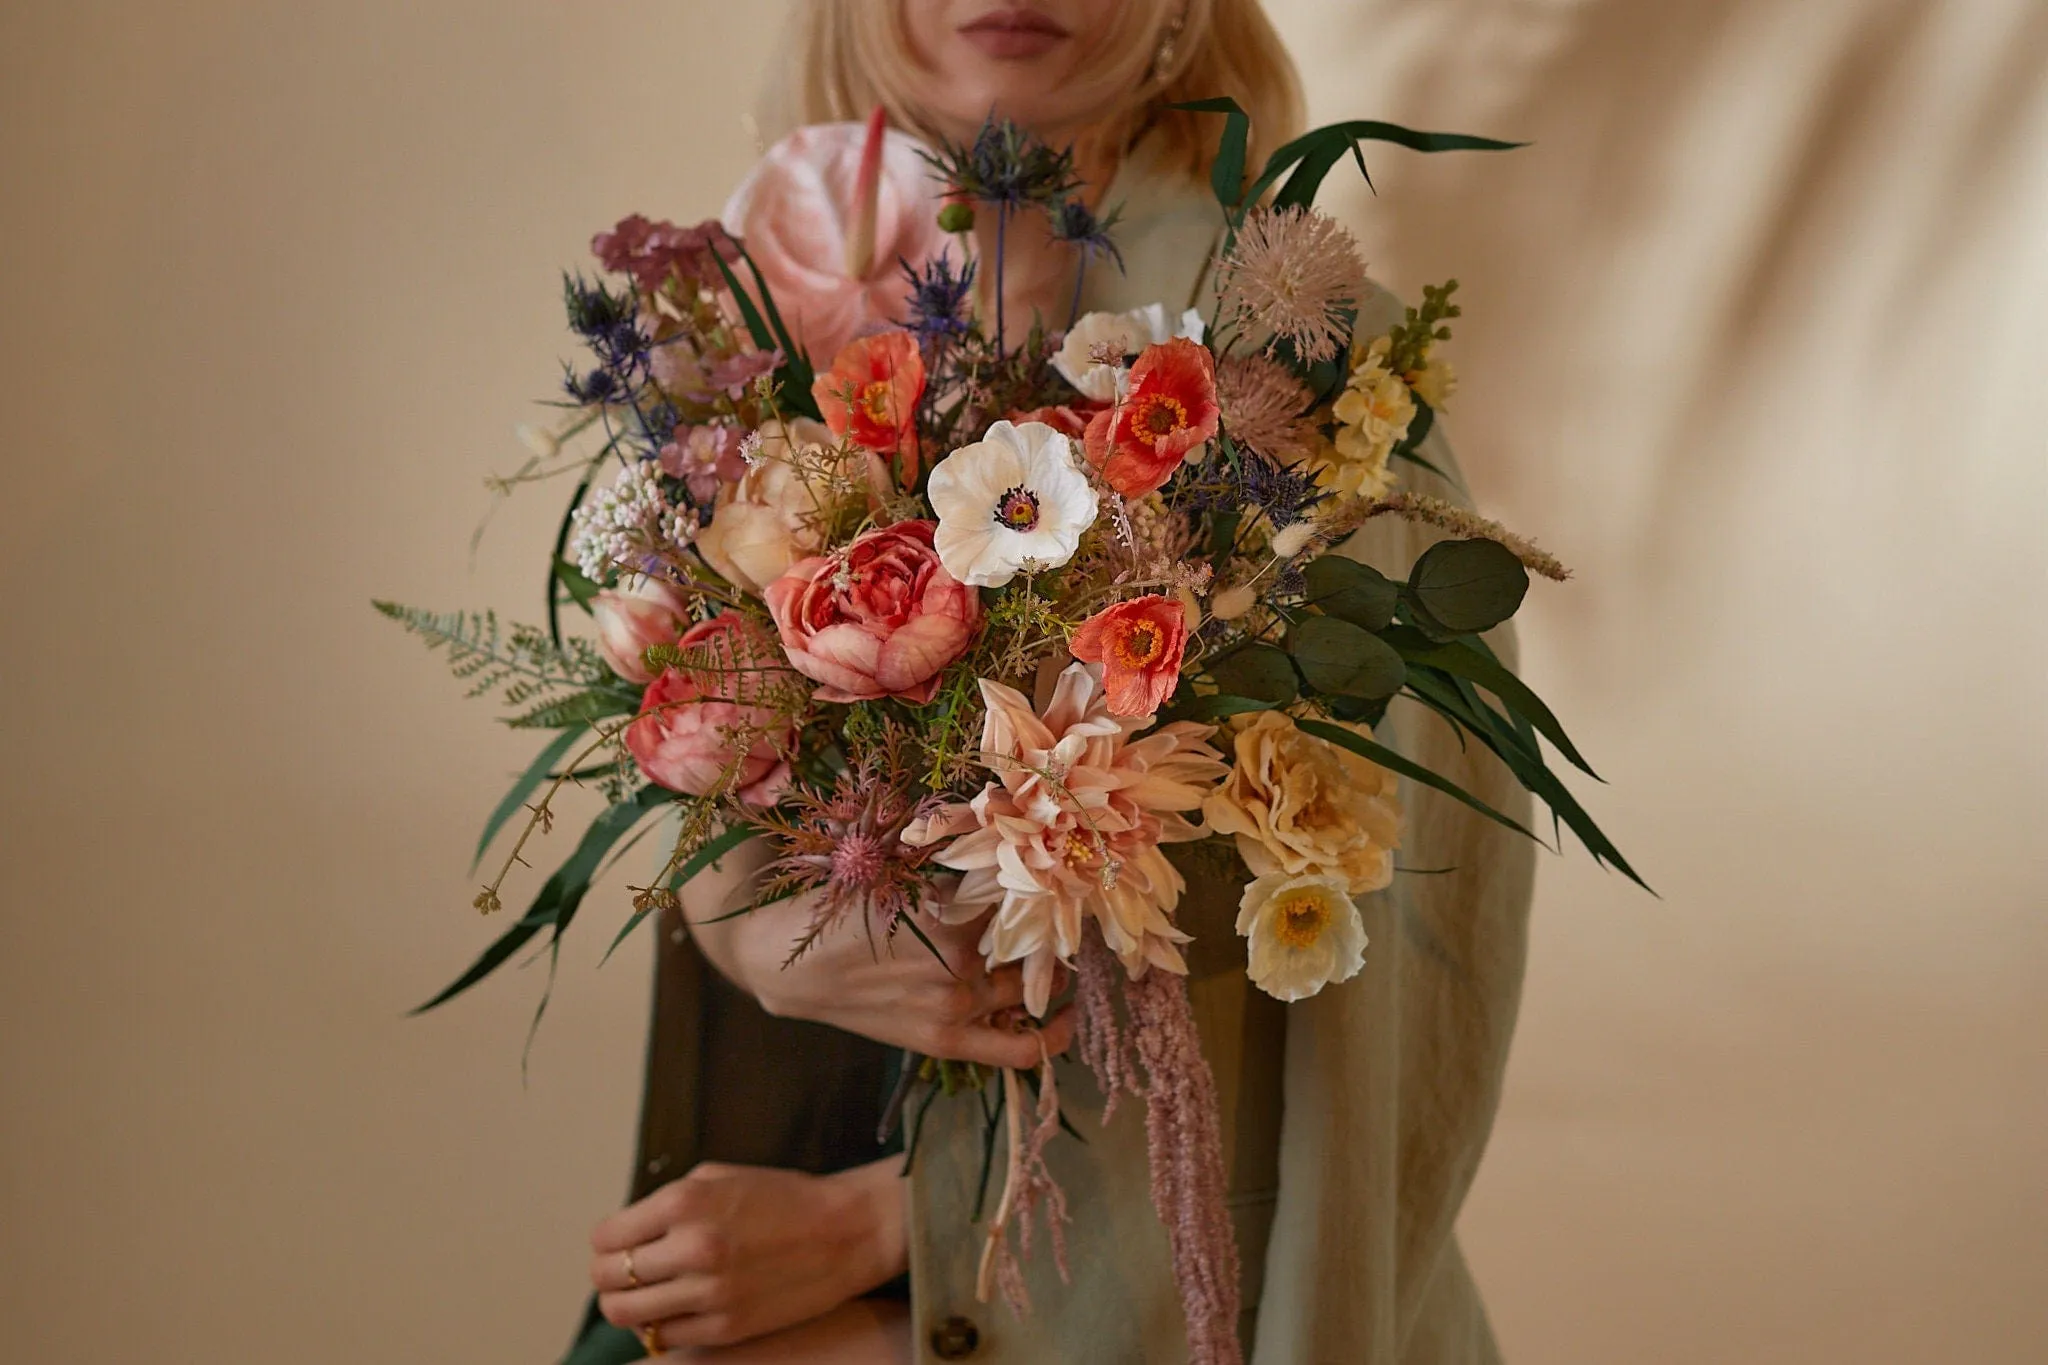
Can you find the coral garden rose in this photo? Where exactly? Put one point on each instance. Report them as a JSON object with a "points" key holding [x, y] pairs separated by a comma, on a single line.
{"points": [[1169, 411], [771, 516], [691, 719], [880, 618], [1139, 644], [1305, 933], [1300, 805], [643, 612], [800, 210], [870, 395]]}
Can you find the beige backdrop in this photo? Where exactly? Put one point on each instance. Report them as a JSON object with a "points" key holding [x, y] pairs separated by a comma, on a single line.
{"points": [[1758, 340]]}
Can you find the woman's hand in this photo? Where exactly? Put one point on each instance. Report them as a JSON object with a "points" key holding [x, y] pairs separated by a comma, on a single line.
{"points": [[728, 1253], [895, 992]]}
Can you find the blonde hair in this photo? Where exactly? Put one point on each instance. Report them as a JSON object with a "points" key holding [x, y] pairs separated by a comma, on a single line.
{"points": [[853, 54]]}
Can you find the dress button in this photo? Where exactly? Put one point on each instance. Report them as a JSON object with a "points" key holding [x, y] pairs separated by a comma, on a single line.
{"points": [[955, 1339]]}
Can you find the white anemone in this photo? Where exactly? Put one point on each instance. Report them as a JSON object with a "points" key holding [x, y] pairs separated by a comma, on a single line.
{"points": [[1125, 334], [1013, 499], [1305, 933]]}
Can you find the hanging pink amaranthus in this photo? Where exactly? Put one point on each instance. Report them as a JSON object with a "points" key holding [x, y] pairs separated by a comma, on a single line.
{"points": [[1183, 1135]]}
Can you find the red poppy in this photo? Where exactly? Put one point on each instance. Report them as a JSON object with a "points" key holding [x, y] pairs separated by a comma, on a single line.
{"points": [[1066, 420], [1170, 410], [1139, 644], [870, 395]]}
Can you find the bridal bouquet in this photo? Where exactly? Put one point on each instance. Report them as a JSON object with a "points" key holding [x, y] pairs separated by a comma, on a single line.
{"points": [[971, 621]]}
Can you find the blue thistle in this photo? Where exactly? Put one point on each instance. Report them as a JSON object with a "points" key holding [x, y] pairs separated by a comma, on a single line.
{"points": [[938, 298]]}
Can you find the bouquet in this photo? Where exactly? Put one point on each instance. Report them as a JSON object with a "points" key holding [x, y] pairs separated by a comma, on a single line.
{"points": [[970, 624]]}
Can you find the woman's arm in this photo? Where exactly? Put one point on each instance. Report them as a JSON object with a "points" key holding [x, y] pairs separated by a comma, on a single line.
{"points": [[893, 990]]}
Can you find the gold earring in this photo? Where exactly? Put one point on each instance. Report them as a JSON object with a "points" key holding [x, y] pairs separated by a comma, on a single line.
{"points": [[1168, 38]]}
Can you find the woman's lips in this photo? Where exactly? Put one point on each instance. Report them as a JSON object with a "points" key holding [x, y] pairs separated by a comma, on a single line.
{"points": [[1014, 34]]}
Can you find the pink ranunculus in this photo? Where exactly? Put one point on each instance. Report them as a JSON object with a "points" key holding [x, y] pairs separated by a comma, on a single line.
{"points": [[880, 618], [645, 612], [690, 717], [798, 212]]}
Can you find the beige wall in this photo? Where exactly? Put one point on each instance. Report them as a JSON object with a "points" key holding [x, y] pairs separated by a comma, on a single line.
{"points": [[1757, 341]]}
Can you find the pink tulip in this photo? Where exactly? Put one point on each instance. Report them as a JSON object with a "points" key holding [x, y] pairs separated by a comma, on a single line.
{"points": [[683, 739], [629, 619], [805, 219], [881, 618]]}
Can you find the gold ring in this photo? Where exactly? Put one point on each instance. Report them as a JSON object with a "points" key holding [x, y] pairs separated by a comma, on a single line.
{"points": [[632, 1277], [650, 1337]]}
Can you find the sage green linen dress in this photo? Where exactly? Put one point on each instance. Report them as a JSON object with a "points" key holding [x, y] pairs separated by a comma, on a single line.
{"points": [[1353, 1121]]}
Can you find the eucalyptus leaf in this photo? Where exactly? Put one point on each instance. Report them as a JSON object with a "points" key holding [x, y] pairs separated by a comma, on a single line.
{"points": [[1343, 659], [1352, 591], [1260, 672], [1468, 586]]}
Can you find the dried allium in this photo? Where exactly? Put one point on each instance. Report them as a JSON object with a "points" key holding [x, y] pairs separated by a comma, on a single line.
{"points": [[1293, 272]]}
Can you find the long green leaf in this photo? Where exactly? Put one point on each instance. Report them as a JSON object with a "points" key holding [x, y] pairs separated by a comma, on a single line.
{"points": [[556, 904], [796, 396], [1226, 175], [543, 763], [1328, 144], [1549, 789], [1387, 758], [726, 842], [1462, 660]]}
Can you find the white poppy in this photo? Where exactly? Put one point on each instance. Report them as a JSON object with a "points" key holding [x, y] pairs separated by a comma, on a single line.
{"points": [[1305, 933], [1014, 498], [1125, 334]]}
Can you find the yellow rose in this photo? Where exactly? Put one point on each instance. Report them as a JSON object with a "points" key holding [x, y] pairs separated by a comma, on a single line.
{"points": [[1300, 806]]}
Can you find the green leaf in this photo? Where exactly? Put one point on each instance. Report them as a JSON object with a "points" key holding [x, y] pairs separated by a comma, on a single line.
{"points": [[1223, 533], [1226, 175], [556, 904], [1352, 591], [1461, 660], [581, 590], [796, 370], [542, 764], [1549, 789], [1467, 586], [555, 556], [1219, 706], [1393, 762], [576, 710], [1259, 672], [1343, 659], [727, 840], [1324, 147]]}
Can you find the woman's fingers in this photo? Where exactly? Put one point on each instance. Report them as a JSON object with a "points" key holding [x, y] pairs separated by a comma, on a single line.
{"points": [[1020, 1050], [686, 1295]]}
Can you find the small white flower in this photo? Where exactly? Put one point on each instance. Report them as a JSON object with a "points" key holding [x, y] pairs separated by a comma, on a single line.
{"points": [[1015, 498], [1305, 932], [1125, 334]]}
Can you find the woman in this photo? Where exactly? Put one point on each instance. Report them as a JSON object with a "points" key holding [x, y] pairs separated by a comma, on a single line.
{"points": [[1344, 1208]]}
